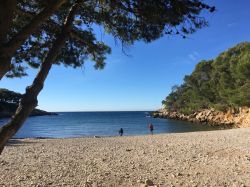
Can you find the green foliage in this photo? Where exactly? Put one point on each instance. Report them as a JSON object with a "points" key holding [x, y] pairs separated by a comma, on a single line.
{"points": [[7, 96], [126, 20], [220, 83]]}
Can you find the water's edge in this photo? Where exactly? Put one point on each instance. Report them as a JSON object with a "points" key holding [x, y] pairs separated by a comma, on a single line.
{"points": [[100, 124], [229, 119]]}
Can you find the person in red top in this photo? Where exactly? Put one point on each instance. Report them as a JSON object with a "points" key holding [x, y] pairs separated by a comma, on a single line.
{"points": [[151, 128]]}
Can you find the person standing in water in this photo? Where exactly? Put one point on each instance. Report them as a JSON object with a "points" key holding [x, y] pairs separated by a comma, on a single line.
{"points": [[121, 131], [151, 128]]}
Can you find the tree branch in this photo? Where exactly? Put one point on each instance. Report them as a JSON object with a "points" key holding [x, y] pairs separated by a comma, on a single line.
{"points": [[7, 12], [17, 40], [56, 27], [29, 100], [8, 50]]}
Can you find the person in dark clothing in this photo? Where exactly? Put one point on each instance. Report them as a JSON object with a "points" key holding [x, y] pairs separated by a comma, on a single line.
{"points": [[121, 131], [151, 128]]}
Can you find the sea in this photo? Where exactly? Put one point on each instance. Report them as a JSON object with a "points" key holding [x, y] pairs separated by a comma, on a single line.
{"points": [[89, 124]]}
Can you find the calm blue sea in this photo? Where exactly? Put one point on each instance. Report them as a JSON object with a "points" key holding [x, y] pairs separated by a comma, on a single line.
{"points": [[79, 124]]}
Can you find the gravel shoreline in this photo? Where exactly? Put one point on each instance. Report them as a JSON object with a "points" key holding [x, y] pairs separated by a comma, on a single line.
{"points": [[211, 158]]}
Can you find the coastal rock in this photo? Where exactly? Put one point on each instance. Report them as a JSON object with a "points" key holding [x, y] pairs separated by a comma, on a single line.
{"points": [[232, 117]]}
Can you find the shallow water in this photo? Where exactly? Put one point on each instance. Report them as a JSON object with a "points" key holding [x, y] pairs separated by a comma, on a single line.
{"points": [[78, 124]]}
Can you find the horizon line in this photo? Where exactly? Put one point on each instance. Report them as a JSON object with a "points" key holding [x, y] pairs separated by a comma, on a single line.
{"points": [[105, 111]]}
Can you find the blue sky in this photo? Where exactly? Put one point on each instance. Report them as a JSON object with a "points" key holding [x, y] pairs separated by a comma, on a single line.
{"points": [[143, 79]]}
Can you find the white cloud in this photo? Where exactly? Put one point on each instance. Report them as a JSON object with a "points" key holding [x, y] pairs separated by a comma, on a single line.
{"points": [[230, 25], [194, 55]]}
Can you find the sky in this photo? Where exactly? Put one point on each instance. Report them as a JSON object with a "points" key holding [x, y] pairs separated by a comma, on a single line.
{"points": [[141, 79]]}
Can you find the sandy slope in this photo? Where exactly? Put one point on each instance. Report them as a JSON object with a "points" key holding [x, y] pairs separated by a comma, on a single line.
{"points": [[215, 158]]}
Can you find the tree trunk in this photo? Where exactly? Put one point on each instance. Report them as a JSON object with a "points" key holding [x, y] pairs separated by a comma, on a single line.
{"points": [[7, 12], [8, 50], [29, 100], [5, 64], [35, 23]]}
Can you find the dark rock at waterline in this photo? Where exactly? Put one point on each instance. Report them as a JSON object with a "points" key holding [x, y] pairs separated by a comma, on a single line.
{"points": [[239, 118]]}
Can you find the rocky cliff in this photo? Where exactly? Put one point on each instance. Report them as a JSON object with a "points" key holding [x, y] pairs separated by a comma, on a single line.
{"points": [[231, 118]]}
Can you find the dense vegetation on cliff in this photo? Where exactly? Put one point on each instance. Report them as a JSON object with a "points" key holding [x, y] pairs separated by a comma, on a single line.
{"points": [[220, 83]]}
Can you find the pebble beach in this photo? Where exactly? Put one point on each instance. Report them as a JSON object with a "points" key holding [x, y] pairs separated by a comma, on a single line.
{"points": [[211, 158]]}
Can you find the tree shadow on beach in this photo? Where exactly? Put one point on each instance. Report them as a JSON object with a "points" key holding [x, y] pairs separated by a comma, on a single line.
{"points": [[18, 142]]}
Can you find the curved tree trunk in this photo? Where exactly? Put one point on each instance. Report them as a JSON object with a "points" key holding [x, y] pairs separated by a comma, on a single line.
{"points": [[7, 12], [5, 64], [29, 100], [8, 50]]}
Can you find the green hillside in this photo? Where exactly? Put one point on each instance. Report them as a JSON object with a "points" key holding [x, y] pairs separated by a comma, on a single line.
{"points": [[220, 83]]}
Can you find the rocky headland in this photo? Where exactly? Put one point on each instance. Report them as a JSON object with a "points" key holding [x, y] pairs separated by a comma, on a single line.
{"points": [[9, 101], [230, 118], [8, 109], [215, 93]]}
